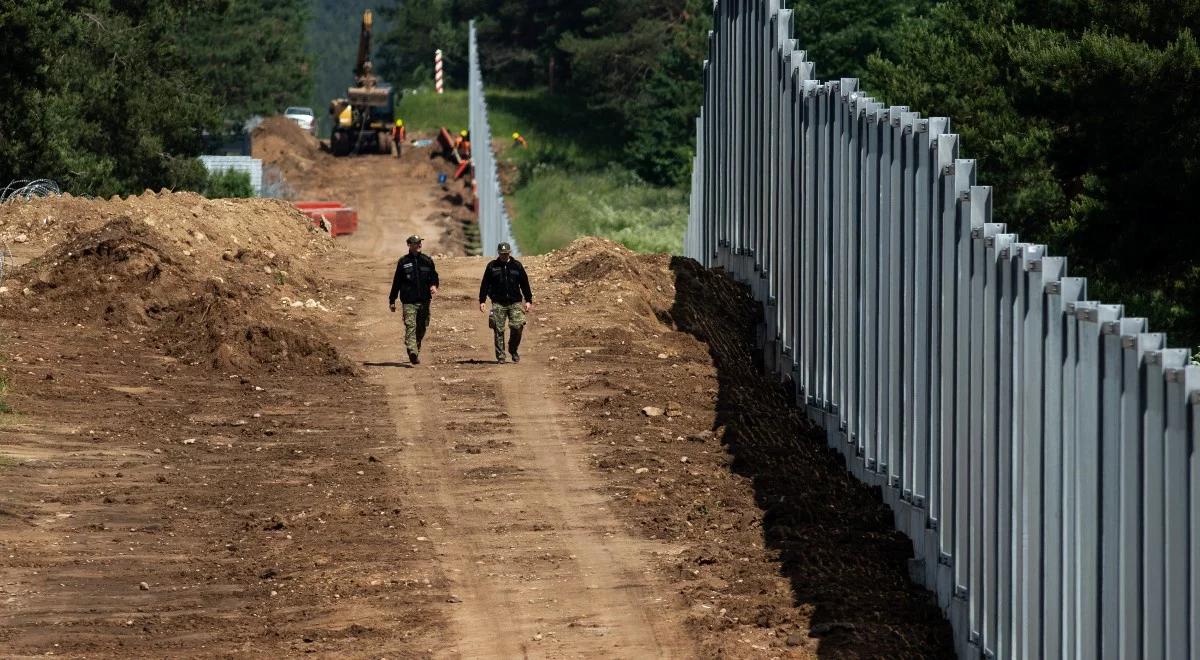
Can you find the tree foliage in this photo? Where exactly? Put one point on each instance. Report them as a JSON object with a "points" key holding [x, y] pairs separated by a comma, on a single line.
{"points": [[110, 97], [416, 29], [228, 183], [1083, 117], [251, 55], [637, 63]]}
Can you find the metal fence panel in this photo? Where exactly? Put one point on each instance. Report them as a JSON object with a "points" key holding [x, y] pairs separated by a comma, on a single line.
{"points": [[1038, 448], [494, 224]]}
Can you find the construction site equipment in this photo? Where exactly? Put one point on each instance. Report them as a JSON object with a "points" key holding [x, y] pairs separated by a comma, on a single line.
{"points": [[335, 217], [362, 122]]}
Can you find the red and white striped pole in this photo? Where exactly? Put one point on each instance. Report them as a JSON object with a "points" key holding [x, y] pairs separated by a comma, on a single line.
{"points": [[437, 70]]}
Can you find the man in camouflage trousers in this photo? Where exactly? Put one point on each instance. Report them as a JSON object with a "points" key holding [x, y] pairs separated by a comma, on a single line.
{"points": [[507, 284], [416, 282]]}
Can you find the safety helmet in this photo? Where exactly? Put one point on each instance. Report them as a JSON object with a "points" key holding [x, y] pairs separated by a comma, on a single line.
{"points": [[399, 122], [516, 136], [504, 248], [463, 132], [414, 240]]}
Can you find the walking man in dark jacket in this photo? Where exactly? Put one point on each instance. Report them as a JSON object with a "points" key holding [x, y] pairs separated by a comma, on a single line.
{"points": [[416, 281], [507, 284]]}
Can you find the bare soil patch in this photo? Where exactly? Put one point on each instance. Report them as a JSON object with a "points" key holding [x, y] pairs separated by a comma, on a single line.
{"points": [[781, 552], [192, 467]]}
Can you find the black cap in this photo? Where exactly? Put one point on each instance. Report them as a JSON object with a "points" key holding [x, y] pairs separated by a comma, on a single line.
{"points": [[504, 248]]}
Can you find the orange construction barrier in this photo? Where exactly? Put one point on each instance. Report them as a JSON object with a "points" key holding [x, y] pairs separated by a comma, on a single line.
{"points": [[339, 218]]}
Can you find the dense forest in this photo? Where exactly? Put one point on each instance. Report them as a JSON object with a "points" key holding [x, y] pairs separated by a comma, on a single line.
{"points": [[111, 97]]}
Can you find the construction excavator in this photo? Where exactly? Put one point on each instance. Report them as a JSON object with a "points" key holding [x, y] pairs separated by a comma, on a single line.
{"points": [[362, 121]]}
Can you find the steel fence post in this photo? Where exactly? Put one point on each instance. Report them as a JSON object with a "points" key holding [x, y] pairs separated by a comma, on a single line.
{"points": [[1135, 343], [942, 173], [1037, 271], [989, 304], [852, 413], [825, 271], [1006, 249], [924, 181], [870, 279], [963, 180], [809, 263], [1194, 521], [948, 153], [1070, 466], [1042, 274], [1181, 380], [1061, 295], [1088, 490], [894, 273], [1154, 541], [909, 138]]}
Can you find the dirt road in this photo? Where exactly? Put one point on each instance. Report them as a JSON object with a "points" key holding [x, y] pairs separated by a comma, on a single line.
{"points": [[538, 564]]}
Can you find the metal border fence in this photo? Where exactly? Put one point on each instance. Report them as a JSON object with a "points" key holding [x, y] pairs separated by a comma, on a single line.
{"points": [[1039, 448], [494, 224]]}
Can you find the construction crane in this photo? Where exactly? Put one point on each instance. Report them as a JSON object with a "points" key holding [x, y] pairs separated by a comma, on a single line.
{"points": [[362, 121]]}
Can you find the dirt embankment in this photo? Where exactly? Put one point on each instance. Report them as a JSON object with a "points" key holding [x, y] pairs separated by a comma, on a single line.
{"points": [[192, 467], [208, 281], [280, 142], [781, 552]]}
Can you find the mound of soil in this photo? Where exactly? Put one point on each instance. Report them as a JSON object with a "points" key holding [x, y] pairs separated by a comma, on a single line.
{"points": [[162, 279], [280, 142], [602, 273], [200, 230]]}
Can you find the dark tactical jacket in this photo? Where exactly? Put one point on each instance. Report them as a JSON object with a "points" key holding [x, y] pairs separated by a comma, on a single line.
{"points": [[505, 283], [414, 275]]}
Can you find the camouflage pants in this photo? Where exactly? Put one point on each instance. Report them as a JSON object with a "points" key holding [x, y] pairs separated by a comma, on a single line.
{"points": [[416, 322], [515, 317]]}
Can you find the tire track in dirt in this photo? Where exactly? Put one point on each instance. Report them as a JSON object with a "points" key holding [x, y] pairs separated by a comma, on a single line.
{"points": [[518, 523]]}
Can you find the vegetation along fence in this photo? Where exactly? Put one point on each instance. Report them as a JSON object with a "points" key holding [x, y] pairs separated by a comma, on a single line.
{"points": [[1038, 448], [494, 225]]}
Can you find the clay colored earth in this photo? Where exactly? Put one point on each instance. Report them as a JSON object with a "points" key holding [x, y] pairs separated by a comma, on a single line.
{"points": [[217, 448]]}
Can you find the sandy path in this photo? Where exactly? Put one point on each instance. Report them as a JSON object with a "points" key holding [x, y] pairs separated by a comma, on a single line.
{"points": [[535, 561]]}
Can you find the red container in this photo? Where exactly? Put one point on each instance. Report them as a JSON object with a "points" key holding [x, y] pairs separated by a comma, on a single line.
{"points": [[341, 219]]}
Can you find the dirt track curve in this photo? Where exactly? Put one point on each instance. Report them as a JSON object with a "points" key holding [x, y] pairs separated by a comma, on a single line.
{"points": [[218, 448]]}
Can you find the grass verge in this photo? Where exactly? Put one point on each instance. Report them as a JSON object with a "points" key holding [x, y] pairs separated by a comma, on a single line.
{"points": [[556, 206]]}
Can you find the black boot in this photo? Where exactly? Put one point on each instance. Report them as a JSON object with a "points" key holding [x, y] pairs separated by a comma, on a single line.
{"points": [[412, 357], [514, 342]]}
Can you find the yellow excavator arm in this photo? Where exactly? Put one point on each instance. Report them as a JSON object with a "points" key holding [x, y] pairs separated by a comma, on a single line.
{"points": [[362, 64]]}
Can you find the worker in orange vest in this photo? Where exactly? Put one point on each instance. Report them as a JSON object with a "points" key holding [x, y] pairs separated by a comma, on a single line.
{"points": [[463, 144], [517, 139], [399, 135]]}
